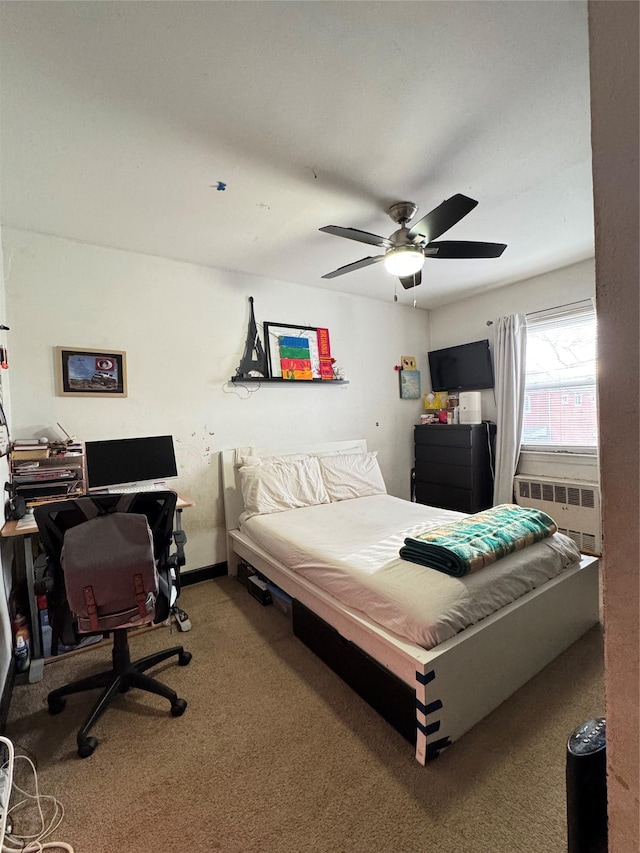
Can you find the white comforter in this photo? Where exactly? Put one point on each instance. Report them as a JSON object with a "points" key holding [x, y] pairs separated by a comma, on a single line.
{"points": [[350, 549]]}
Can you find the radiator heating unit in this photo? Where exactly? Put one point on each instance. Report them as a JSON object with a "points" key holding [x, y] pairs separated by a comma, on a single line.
{"points": [[573, 505]]}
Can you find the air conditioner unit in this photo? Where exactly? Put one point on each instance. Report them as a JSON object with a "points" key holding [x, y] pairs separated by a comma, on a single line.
{"points": [[573, 505]]}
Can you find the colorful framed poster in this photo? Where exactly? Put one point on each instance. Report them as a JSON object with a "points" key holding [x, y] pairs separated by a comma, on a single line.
{"points": [[90, 372], [293, 352]]}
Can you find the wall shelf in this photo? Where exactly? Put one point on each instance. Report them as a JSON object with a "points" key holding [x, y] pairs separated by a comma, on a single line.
{"points": [[261, 379]]}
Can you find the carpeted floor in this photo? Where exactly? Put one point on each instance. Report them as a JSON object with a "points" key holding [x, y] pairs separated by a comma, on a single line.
{"points": [[275, 754]]}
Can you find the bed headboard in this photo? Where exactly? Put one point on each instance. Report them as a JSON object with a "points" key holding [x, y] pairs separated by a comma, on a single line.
{"points": [[232, 494]]}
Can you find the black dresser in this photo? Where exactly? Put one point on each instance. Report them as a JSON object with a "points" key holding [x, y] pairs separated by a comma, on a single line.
{"points": [[453, 465]]}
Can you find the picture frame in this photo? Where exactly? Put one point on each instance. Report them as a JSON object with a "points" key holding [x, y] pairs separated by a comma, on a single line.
{"points": [[273, 332], [90, 372], [409, 384]]}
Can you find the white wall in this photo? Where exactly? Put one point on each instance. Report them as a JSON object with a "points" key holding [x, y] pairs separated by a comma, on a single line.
{"points": [[184, 328], [466, 320]]}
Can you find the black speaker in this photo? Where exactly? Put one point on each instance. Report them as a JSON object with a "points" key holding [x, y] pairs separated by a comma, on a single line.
{"points": [[587, 788], [16, 508]]}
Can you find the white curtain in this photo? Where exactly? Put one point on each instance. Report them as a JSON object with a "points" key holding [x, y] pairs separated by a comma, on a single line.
{"points": [[509, 352]]}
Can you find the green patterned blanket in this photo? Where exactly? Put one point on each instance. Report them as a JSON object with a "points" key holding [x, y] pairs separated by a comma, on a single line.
{"points": [[471, 543]]}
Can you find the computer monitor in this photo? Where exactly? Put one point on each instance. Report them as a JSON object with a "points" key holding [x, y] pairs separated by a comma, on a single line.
{"points": [[124, 461]]}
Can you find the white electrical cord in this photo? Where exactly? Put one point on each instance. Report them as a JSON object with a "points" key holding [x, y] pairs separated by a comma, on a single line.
{"points": [[14, 843], [6, 783]]}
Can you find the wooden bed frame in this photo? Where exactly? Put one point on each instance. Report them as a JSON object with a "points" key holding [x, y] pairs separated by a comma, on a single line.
{"points": [[447, 690]]}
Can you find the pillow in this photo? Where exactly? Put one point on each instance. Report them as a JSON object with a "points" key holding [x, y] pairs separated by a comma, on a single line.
{"points": [[352, 475], [249, 458], [247, 455], [277, 485], [356, 448]]}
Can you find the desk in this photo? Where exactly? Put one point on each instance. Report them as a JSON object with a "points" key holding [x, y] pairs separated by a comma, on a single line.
{"points": [[26, 533]]}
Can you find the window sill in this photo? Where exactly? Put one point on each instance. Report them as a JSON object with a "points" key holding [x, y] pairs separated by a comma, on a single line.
{"points": [[577, 458], [559, 464]]}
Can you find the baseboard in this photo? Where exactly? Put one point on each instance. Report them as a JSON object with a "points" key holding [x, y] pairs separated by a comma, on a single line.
{"points": [[219, 570], [7, 690]]}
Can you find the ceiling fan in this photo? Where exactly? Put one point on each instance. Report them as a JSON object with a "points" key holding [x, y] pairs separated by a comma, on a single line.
{"points": [[407, 248]]}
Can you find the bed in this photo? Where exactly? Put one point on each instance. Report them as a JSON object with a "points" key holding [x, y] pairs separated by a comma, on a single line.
{"points": [[431, 669]]}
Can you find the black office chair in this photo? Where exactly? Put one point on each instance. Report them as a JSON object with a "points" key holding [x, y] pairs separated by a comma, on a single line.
{"points": [[54, 520]]}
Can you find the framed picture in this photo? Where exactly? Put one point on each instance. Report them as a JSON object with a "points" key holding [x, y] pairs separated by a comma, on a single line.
{"points": [[91, 372], [293, 351], [410, 384]]}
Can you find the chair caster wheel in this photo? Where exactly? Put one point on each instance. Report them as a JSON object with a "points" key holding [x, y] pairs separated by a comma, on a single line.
{"points": [[184, 658], [86, 747], [178, 708], [56, 706]]}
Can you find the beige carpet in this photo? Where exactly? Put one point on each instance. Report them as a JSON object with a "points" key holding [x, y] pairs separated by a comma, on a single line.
{"points": [[276, 753]]}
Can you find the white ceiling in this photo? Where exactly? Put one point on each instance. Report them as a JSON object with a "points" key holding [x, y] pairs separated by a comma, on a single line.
{"points": [[120, 118]]}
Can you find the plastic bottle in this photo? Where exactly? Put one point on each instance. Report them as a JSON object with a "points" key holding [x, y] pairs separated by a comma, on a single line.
{"points": [[21, 629], [45, 633], [22, 654]]}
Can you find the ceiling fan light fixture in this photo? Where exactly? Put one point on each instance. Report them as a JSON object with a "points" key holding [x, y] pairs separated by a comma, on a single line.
{"points": [[403, 261]]}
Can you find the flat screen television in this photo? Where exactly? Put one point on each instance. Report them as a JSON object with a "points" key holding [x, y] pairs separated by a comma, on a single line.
{"points": [[466, 367], [121, 461]]}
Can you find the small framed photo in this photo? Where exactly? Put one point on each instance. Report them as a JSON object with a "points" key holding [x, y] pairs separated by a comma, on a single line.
{"points": [[90, 372]]}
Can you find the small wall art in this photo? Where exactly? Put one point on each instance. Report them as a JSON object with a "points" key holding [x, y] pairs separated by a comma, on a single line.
{"points": [[409, 384], [90, 372]]}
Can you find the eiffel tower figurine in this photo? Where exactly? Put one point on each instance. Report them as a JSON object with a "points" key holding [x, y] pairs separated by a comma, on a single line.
{"points": [[254, 360]]}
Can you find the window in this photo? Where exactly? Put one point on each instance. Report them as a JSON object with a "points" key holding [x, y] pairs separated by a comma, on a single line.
{"points": [[561, 368]]}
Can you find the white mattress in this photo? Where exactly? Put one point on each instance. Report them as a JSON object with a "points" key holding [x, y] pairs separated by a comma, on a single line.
{"points": [[350, 549]]}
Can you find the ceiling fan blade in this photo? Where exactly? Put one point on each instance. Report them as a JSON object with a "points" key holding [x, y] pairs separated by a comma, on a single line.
{"points": [[411, 280], [465, 249], [356, 265], [443, 217], [360, 236]]}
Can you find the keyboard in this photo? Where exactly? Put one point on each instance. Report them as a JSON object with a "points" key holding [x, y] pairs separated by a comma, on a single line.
{"points": [[142, 487]]}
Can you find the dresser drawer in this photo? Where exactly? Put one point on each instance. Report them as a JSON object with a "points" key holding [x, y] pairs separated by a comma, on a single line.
{"points": [[446, 497], [442, 474], [433, 453], [454, 435]]}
